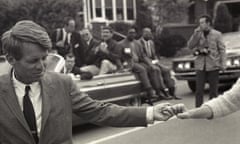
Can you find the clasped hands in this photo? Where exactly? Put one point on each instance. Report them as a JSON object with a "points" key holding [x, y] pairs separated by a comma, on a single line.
{"points": [[164, 111]]}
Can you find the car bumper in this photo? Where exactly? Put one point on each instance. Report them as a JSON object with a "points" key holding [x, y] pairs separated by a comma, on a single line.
{"points": [[223, 76]]}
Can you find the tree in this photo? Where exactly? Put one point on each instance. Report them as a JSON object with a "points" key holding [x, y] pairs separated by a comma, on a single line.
{"points": [[169, 11], [223, 19], [48, 13], [144, 18]]}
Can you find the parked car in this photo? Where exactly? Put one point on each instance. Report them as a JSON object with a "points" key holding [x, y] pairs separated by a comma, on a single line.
{"points": [[184, 66]]}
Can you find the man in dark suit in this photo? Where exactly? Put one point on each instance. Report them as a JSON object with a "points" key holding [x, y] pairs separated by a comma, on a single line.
{"points": [[36, 106], [145, 43], [108, 52], [90, 55], [66, 40], [165, 78], [132, 57]]}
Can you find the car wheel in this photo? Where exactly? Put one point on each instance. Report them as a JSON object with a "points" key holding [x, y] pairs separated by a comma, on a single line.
{"points": [[192, 85], [136, 101]]}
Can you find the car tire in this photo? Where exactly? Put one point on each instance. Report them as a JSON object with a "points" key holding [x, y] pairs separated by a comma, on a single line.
{"points": [[192, 86]]}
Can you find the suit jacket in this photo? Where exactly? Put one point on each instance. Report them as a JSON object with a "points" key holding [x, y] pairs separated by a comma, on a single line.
{"points": [[217, 56], [113, 55], [147, 59], [152, 55], [137, 55], [90, 55], [61, 97], [76, 45]]}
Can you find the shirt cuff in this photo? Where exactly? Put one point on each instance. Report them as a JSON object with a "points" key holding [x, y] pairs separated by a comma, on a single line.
{"points": [[149, 115]]}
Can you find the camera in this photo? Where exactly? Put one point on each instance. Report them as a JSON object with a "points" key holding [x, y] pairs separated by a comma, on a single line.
{"points": [[203, 52]]}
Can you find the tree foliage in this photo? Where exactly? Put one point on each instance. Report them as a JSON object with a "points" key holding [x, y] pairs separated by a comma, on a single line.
{"points": [[144, 18], [223, 20], [169, 11], [48, 13]]}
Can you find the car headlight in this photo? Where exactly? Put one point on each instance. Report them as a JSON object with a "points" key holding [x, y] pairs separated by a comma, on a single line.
{"points": [[180, 66], [236, 62], [228, 63], [187, 65]]}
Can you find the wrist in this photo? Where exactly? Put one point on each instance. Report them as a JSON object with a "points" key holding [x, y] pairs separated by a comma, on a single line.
{"points": [[150, 115]]}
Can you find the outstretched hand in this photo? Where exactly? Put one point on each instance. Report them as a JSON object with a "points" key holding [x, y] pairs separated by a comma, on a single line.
{"points": [[181, 111], [162, 112]]}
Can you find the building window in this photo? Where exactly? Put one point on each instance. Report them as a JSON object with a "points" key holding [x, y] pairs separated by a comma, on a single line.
{"points": [[98, 8], [91, 8], [109, 9], [130, 10], [119, 9]]}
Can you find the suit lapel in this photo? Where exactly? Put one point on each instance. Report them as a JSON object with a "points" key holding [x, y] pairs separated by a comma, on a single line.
{"points": [[46, 92], [11, 100]]}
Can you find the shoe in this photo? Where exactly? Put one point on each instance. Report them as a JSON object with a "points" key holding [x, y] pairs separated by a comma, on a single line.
{"points": [[162, 96], [150, 95], [176, 98], [167, 94]]}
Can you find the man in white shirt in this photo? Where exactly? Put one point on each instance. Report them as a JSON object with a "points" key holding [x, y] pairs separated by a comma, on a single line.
{"points": [[44, 114]]}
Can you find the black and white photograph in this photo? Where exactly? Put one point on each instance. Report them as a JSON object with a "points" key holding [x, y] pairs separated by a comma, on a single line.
{"points": [[119, 71]]}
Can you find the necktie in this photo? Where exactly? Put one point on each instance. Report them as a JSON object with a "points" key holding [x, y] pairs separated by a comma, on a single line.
{"points": [[29, 114], [148, 48]]}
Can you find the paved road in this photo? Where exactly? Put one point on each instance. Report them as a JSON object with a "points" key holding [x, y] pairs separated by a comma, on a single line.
{"points": [[219, 131]]}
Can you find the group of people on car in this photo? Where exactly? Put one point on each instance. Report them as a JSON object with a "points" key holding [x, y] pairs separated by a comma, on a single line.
{"points": [[90, 56]]}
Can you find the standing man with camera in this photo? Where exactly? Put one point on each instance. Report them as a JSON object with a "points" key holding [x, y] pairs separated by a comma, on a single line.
{"points": [[210, 57]]}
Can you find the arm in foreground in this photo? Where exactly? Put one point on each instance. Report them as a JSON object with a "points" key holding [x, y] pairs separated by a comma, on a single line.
{"points": [[113, 115]]}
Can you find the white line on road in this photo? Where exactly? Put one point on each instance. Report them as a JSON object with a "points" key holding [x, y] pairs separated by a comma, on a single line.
{"points": [[123, 133]]}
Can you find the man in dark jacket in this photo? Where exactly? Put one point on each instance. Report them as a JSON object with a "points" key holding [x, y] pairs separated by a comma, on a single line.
{"points": [[132, 58], [37, 105], [108, 53], [164, 76], [90, 56], [66, 40]]}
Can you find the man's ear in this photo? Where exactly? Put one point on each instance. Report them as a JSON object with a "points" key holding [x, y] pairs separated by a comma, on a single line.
{"points": [[11, 60]]}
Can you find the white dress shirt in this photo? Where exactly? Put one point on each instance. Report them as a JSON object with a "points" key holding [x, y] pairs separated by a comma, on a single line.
{"points": [[35, 97]]}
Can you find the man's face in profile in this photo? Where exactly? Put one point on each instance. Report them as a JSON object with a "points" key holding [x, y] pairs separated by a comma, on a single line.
{"points": [[31, 66]]}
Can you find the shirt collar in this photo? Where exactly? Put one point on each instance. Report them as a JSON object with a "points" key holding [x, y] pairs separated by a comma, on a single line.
{"points": [[21, 85], [144, 40]]}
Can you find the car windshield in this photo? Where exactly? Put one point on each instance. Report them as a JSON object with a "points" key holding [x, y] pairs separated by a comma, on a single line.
{"points": [[232, 40]]}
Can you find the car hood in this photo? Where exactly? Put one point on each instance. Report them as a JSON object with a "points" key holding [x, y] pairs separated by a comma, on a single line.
{"points": [[185, 58], [233, 52]]}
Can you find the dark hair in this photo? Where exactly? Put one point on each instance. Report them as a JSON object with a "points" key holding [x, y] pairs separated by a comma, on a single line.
{"points": [[208, 18], [24, 32], [133, 27]]}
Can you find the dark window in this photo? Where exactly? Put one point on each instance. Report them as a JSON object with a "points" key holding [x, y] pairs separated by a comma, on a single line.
{"points": [[98, 6], [91, 9], [119, 6], [130, 10], [108, 9]]}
